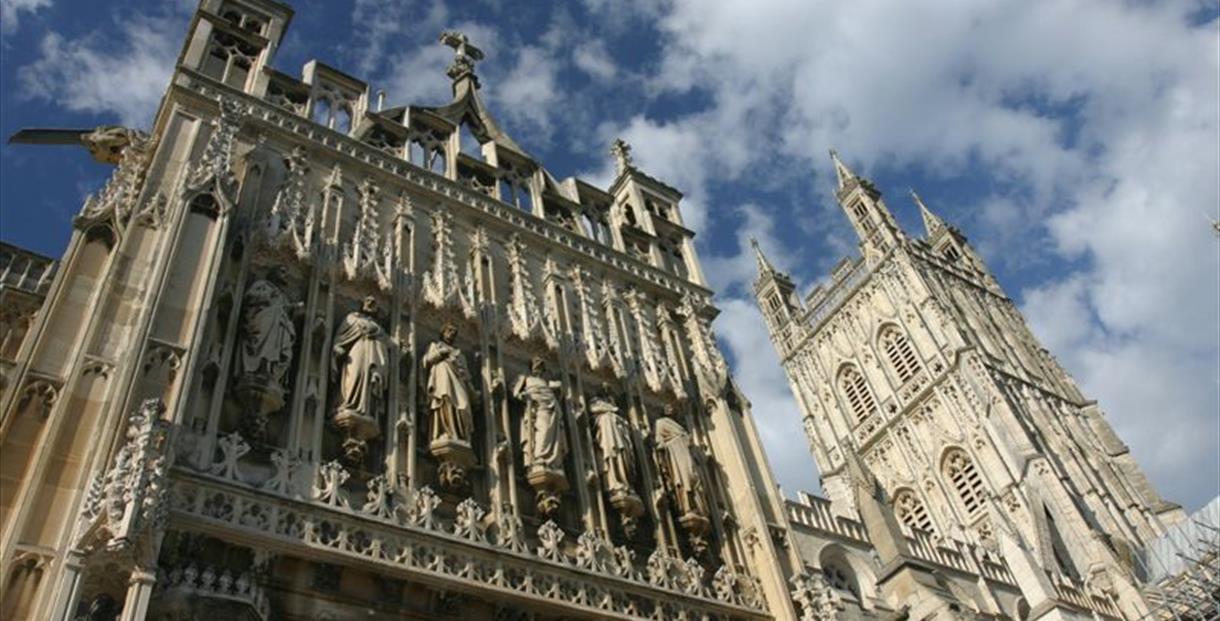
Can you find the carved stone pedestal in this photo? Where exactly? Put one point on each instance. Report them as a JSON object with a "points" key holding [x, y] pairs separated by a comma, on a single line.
{"points": [[548, 486], [456, 456], [629, 508], [259, 398], [357, 431]]}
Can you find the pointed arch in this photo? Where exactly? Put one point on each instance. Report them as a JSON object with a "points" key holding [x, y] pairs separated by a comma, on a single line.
{"points": [[911, 510], [898, 351], [855, 390], [965, 479]]}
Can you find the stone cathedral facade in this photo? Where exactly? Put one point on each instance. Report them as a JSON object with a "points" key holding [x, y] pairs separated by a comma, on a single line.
{"points": [[311, 357], [934, 415]]}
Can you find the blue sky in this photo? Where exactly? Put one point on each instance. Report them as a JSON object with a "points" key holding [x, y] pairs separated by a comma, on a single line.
{"points": [[1076, 143]]}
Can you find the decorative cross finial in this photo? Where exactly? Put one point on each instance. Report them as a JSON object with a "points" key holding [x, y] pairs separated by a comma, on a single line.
{"points": [[465, 55], [622, 156]]}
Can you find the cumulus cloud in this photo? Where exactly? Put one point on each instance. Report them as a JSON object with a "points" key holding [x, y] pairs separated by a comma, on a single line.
{"points": [[10, 10], [121, 76], [591, 57]]}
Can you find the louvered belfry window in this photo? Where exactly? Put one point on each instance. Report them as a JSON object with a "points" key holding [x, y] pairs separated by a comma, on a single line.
{"points": [[900, 353], [966, 480], [859, 398]]}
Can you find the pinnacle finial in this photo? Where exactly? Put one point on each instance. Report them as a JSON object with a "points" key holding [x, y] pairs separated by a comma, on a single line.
{"points": [[931, 222], [842, 172], [622, 156], [764, 266], [465, 55]]}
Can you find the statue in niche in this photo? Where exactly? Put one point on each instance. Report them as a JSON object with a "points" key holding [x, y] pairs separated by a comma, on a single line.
{"points": [[679, 461], [264, 355], [361, 359], [450, 402], [448, 388], [543, 439], [614, 442]]}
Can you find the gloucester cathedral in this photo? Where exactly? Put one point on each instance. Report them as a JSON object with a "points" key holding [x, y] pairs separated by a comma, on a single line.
{"points": [[310, 356]]}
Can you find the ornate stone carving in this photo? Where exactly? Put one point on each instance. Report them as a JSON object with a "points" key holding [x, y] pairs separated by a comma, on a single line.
{"points": [[708, 359], [817, 600], [369, 256], [267, 336], [593, 334], [442, 289], [361, 359], [426, 502], [38, 397], [617, 348], [510, 534], [649, 356], [465, 55], [379, 499], [232, 448], [329, 486], [115, 202], [468, 521], [192, 591], [283, 477], [524, 313], [616, 449], [671, 375], [450, 401], [594, 553], [213, 171], [550, 538], [543, 436], [128, 500], [680, 464], [290, 223]]}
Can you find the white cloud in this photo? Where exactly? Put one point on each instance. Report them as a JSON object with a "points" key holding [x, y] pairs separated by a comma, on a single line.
{"points": [[1094, 122], [123, 75], [10, 9], [591, 57], [741, 329], [528, 94]]}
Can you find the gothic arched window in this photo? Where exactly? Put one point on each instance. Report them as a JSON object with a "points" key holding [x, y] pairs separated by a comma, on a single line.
{"points": [[911, 511], [965, 479], [855, 390], [899, 352]]}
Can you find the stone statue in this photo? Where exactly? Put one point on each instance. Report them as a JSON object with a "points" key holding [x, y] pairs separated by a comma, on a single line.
{"points": [[617, 450], [264, 355], [543, 439], [542, 428], [267, 331], [679, 463], [361, 359], [614, 440], [450, 402], [448, 388]]}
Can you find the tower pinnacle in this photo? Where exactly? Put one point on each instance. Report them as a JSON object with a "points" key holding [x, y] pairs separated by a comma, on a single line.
{"points": [[932, 223], [622, 156], [764, 265], [843, 173], [465, 55]]}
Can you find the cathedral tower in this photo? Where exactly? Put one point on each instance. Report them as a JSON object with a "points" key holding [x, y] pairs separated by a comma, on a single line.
{"points": [[913, 360]]}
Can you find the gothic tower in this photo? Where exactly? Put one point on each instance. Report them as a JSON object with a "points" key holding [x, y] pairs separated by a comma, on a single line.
{"points": [[912, 359]]}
